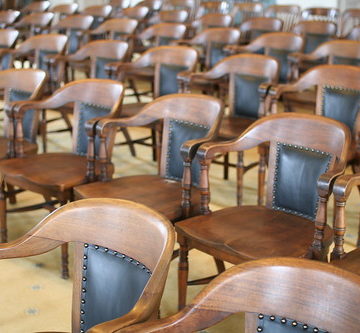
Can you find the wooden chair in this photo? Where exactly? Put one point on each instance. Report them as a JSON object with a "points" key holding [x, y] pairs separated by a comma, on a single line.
{"points": [[34, 24], [53, 175], [246, 10], [342, 190], [210, 20], [239, 78], [99, 12], [290, 295], [158, 35], [117, 28], [159, 65], [188, 120], [65, 9], [8, 38], [76, 28], [302, 147], [255, 27], [189, 5], [173, 16], [207, 7], [350, 18], [118, 6], [289, 14], [321, 14], [36, 7], [315, 33], [21, 85], [8, 17], [138, 13], [275, 44], [112, 278], [212, 41], [346, 52]]}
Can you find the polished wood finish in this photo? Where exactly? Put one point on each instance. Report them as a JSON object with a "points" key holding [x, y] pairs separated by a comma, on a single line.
{"points": [[8, 17], [299, 289], [289, 14], [168, 196], [65, 9], [36, 7], [246, 10], [246, 233], [349, 19], [123, 224], [34, 24], [259, 24], [210, 20], [53, 175]]}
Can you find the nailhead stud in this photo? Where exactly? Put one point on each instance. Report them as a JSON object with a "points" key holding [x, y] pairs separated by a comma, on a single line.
{"points": [[84, 278], [315, 330], [272, 318], [82, 301], [261, 316], [294, 323], [259, 329], [82, 312], [283, 321], [305, 327], [86, 245]]}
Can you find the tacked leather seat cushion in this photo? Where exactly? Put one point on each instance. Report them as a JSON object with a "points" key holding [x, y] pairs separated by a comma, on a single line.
{"points": [[56, 171], [252, 232], [154, 191]]}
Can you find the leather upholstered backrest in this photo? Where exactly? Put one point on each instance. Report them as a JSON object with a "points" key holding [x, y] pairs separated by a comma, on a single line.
{"points": [[5, 59], [295, 181], [341, 104], [216, 53], [346, 61], [100, 63], [312, 41], [73, 43], [282, 57], [87, 112], [168, 78], [246, 95], [28, 120], [180, 132], [41, 61], [111, 285], [272, 324]]}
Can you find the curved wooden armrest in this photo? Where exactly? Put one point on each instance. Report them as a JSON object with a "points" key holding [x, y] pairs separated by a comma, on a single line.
{"points": [[7, 51], [185, 76], [276, 91], [235, 49], [189, 148], [343, 186], [210, 150], [116, 67], [264, 88], [298, 57], [326, 181]]}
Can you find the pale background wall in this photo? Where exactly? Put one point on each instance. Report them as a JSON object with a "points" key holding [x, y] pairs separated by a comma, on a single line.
{"points": [[303, 3]]}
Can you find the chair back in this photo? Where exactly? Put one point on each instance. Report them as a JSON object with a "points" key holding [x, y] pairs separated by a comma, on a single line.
{"points": [[8, 38], [23, 85], [255, 27], [111, 275], [99, 12], [163, 33], [117, 28], [173, 16], [321, 14], [213, 20], [8, 17], [36, 7], [294, 295], [137, 13], [349, 19], [65, 9], [244, 11], [315, 33], [36, 20], [289, 14]]}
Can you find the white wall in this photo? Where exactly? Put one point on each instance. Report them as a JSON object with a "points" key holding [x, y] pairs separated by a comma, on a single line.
{"points": [[309, 3]]}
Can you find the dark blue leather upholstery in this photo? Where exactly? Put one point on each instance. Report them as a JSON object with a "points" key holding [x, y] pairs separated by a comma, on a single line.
{"points": [[168, 79], [312, 41], [281, 56], [87, 112], [20, 95], [165, 40], [74, 42], [217, 53], [5, 59], [346, 61], [180, 132], [297, 171], [100, 72], [112, 284], [42, 63], [341, 104], [247, 98], [273, 324]]}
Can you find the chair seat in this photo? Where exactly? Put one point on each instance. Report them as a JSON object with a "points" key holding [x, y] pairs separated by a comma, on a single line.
{"points": [[232, 127], [29, 148], [55, 172], [250, 232], [159, 193], [129, 110], [351, 262], [306, 99]]}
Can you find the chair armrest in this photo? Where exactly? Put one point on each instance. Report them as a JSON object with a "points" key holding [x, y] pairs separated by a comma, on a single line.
{"points": [[234, 49], [326, 181], [211, 150], [344, 185], [189, 148]]}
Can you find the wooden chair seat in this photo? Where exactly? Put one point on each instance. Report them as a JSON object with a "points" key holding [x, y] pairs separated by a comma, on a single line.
{"points": [[251, 232], [232, 127], [304, 99], [46, 170], [350, 262], [29, 148], [166, 201]]}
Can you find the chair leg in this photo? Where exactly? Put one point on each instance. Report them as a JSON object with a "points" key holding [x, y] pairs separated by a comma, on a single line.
{"points": [[219, 265], [129, 141], [65, 261], [43, 130], [11, 193], [154, 144], [3, 226], [133, 87], [183, 272], [226, 166]]}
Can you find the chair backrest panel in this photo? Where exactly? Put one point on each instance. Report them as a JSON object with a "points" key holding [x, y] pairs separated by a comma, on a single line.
{"points": [[8, 17], [285, 288]]}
